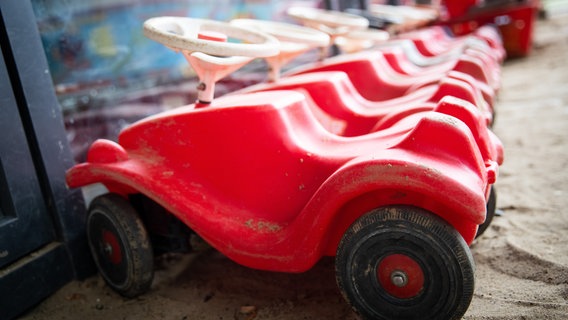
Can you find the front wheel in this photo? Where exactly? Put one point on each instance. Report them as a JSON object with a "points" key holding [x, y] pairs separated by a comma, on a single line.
{"points": [[120, 245], [405, 263]]}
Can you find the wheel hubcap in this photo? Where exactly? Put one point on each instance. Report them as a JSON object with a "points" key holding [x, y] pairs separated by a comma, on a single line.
{"points": [[400, 276], [107, 248]]}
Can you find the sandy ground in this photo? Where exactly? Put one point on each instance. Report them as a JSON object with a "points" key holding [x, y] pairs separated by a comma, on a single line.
{"points": [[522, 260]]}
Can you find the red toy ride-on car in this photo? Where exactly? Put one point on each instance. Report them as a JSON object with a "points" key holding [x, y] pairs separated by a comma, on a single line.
{"points": [[258, 177]]}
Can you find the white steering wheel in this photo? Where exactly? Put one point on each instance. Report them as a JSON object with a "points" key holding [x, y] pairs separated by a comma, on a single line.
{"points": [[294, 40], [334, 23], [180, 33], [286, 32], [361, 39], [204, 44]]}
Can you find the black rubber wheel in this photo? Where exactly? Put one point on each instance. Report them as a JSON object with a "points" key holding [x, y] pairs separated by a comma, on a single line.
{"points": [[493, 118], [491, 207], [120, 245], [403, 262]]}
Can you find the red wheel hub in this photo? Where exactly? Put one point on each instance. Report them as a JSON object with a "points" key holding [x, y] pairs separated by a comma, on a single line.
{"points": [[111, 247], [400, 276]]}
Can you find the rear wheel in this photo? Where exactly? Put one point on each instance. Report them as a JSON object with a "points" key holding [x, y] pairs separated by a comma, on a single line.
{"points": [[491, 207], [120, 245], [405, 263]]}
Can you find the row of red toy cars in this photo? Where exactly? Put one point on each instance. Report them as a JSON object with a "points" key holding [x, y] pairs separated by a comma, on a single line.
{"points": [[390, 172]]}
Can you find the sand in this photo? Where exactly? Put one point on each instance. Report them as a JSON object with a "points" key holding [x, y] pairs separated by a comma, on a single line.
{"points": [[522, 259]]}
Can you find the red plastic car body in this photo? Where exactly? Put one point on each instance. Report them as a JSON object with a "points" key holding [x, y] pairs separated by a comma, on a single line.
{"points": [[262, 181], [369, 71]]}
